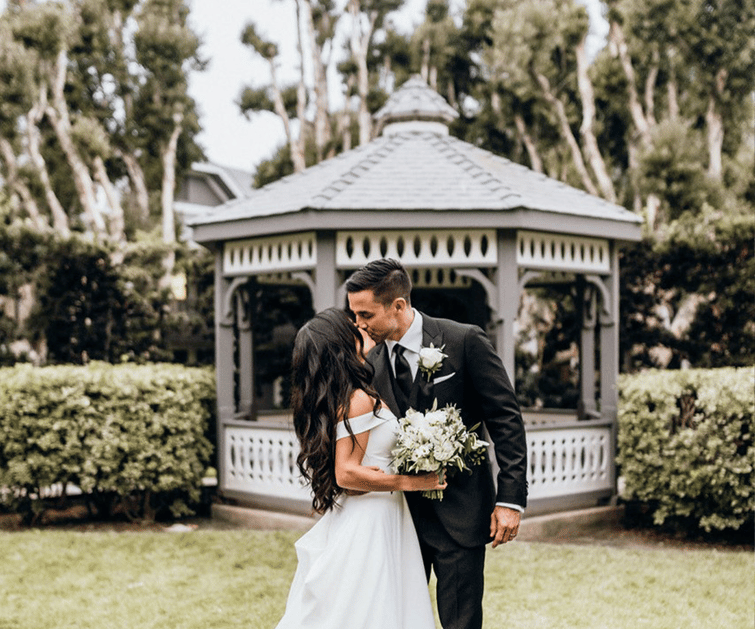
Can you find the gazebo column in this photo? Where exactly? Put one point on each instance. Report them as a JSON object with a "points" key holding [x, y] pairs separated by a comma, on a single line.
{"points": [[326, 278], [245, 351], [224, 343], [609, 341], [508, 301], [587, 351]]}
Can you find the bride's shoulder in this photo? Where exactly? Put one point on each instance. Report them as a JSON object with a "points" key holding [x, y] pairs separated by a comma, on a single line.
{"points": [[360, 403]]}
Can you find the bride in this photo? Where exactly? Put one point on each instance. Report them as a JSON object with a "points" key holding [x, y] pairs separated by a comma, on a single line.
{"points": [[360, 565]]}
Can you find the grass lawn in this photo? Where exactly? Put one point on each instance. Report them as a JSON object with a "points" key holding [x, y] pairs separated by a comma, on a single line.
{"points": [[225, 579]]}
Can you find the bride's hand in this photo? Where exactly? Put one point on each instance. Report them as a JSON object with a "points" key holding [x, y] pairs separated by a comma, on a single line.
{"points": [[424, 482]]}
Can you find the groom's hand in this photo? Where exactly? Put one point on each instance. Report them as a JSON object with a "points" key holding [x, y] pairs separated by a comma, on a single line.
{"points": [[504, 525]]}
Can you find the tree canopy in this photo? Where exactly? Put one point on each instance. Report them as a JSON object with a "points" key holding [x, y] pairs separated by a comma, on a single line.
{"points": [[97, 126]]}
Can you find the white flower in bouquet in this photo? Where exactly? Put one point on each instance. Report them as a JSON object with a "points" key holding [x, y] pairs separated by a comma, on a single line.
{"points": [[436, 441]]}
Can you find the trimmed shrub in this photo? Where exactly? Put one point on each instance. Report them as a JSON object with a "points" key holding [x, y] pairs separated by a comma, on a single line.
{"points": [[128, 435], [685, 445]]}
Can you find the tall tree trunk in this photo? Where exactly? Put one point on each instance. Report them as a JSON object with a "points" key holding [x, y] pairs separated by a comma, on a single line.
{"points": [[566, 132], [297, 156], [322, 106], [529, 144], [451, 94], [672, 89], [592, 151], [425, 71], [168, 158], [57, 113], [298, 147], [167, 191], [633, 149], [116, 223], [34, 141], [650, 82], [616, 36], [360, 41], [345, 117], [715, 127], [18, 185], [138, 184]]}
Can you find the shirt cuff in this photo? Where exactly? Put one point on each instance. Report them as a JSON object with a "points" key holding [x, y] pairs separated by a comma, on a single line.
{"points": [[509, 505]]}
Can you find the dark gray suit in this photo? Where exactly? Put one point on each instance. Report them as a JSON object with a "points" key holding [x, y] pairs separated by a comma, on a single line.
{"points": [[453, 532]]}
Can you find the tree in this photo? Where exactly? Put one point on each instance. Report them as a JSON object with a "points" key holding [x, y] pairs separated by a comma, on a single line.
{"points": [[538, 49], [101, 94], [166, 49], [366, 17], [435, 48], [254, 100], [679, 61], [320, 20]]}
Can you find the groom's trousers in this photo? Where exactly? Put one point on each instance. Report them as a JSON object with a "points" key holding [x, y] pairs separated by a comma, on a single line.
{"points": [[459, 572]]}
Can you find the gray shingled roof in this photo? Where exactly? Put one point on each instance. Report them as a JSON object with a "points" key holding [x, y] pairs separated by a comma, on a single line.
{"points": [[412, 171], [418, 171]]}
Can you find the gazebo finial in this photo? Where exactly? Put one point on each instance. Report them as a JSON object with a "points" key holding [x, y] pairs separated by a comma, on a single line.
{"points": [[415, 106]]}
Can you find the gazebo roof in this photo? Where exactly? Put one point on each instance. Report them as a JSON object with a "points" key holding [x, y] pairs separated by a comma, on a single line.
{"points": [[417, 178]]}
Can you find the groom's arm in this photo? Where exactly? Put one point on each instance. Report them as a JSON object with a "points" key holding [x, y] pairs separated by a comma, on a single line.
{"points": [[494, 396]]}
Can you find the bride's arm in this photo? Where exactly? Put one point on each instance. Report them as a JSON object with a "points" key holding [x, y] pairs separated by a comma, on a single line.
{"points": [[352, 475]]}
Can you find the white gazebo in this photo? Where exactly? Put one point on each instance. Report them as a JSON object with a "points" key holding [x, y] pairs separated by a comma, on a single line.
{"points": [[457, 217]]}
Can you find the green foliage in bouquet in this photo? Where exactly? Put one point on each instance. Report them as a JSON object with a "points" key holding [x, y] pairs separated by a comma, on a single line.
{"points": [[437, 441], [130, 437], [685, 445]]}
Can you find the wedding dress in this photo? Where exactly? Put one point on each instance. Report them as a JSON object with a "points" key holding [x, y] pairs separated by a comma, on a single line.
{"points": [[360, 565]]}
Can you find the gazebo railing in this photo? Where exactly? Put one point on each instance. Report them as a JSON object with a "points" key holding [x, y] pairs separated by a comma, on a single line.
{"points": [[568, 460]]}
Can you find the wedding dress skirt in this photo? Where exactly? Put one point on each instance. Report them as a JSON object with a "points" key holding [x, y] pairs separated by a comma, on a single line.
{"points": [[360, 565]]}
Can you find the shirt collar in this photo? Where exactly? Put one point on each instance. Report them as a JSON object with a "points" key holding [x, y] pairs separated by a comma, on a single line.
{"points": [[412, 339]]}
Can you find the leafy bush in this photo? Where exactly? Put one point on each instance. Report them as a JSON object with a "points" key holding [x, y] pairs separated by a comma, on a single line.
{"points": [[702, 256], [685, 445], [129, 436]]}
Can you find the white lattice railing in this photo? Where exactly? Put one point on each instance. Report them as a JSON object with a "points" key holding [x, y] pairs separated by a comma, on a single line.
{"points": [[562, 461], [541, 250], [273, 254], [413, 247], [261, 461]]}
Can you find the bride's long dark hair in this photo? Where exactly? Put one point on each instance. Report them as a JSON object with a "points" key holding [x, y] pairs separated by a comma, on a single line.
{"points": [[326, 370]]}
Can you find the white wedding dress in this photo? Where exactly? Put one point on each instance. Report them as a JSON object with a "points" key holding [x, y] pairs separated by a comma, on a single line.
{"points": [[360, 565]]}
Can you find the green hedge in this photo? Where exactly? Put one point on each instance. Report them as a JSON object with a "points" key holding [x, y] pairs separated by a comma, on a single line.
{"points": [[133, 437], [685, 445]]}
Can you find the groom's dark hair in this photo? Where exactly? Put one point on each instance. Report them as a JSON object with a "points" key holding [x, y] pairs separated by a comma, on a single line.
{"points": [[386, 278]]}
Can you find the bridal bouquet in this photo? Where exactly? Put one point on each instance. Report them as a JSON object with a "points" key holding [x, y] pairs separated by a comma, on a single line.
{"points": [[436, 441]]}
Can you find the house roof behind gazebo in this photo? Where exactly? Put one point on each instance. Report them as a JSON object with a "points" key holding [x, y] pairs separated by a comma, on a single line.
{"points": [[415, 171]]}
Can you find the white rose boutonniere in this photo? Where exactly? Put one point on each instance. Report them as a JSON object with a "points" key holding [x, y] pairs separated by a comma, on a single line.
{"points": [[430, 360]]}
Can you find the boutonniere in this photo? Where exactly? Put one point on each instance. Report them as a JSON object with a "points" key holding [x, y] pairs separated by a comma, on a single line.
{"points": [[431, 359]]}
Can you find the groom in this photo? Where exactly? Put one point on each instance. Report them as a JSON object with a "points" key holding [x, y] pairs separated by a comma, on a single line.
{"points": [[452, 532]]}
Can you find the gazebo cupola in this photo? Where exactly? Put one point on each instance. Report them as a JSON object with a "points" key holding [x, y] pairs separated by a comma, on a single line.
{"points": [[460, 219], [414, 108]]}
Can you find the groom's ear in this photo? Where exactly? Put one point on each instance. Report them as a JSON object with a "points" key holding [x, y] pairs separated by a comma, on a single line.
{"points": [[400, 305]]}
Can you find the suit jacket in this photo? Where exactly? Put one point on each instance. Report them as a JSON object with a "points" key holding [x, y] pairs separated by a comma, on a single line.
{"points": [[472, 378]]}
